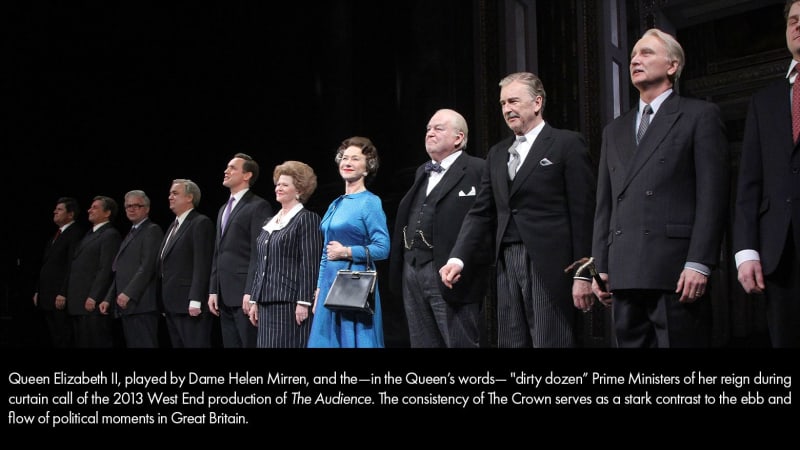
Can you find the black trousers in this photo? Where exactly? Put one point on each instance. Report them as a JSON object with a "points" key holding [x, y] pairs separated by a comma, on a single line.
{"points": [[783, 300], [645, 318]]}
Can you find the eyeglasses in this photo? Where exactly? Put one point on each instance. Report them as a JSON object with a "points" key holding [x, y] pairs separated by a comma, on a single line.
{"points": [[134, 206]]}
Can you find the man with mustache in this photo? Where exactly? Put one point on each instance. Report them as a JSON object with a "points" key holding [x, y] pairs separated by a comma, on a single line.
{"points": [[537, 199]]}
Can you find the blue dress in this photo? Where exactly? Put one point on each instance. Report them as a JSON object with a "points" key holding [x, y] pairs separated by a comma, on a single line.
{"points": [[355, 220]]}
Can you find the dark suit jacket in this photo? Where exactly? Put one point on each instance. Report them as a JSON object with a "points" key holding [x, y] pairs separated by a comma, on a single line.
{"points": [[137, 263], [552, 204], [450, 200], [55, 266], [768, 178], [664, 203], [287, 267], [186, 264], [230, 279], [90, 272]]}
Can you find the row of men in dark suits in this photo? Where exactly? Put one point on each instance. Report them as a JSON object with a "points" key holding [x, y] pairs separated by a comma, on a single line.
{"points": [[653, 221], [185, 274], [654, 225]]}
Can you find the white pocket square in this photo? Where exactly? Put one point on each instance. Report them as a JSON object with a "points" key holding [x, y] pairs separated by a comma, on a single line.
{"points": [[545, 162], [468, 194]]}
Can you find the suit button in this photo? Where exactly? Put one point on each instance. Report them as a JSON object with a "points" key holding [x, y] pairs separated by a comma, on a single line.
{"points": [[618, 232], [661, 161], [648, 193], [514, 211], [619, 199], [613, 169], [795, 170], [646, 232]]}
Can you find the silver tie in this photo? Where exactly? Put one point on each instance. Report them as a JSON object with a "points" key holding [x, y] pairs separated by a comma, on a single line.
{"points": [[513, 160], [644, 123]]}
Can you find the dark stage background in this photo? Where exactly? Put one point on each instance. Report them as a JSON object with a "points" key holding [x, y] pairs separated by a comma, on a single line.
{"points": [[104, 98], [101, 98]]}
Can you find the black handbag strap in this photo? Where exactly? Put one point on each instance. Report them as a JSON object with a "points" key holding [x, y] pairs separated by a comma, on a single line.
{"points": [[369, 261], [369, 264]]}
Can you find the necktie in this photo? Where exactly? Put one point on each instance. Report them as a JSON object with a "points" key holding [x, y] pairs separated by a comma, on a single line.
{"points": [[128, 237], [58, 233], [125, 241], [513, 160], [431, 166], [227, 214], [645, 122], [796, 107], [171, 231]]}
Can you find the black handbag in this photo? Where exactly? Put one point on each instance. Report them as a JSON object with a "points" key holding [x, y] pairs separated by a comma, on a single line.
{"points": [[353, 290]]}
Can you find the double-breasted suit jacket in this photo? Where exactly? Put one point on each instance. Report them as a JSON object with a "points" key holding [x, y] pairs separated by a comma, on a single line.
{"points": [[664, 203]]}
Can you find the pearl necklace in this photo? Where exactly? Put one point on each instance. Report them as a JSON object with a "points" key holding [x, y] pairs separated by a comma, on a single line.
{"points": [[279, 217]]}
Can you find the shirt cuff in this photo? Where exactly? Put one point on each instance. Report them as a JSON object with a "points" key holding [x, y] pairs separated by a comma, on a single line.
{"points": [[746, 255], [301, 302], [697, 267], [195, 304], [456, 261]]}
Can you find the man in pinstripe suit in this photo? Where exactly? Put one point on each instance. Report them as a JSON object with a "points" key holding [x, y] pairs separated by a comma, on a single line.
{"points": [[537, 197]]}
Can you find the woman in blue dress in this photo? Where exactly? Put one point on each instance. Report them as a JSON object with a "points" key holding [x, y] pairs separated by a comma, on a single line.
{"points": [[353, 222]]}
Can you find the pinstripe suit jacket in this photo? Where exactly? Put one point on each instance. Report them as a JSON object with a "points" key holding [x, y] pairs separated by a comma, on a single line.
{"points": [[286, 262], [230, 278]]}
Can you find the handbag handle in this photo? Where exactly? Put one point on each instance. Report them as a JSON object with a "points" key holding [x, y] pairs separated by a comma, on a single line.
{"points": [[366, 250], [369, 262]]}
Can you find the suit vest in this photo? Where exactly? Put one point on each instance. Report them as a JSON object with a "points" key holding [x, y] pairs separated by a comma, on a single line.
{"points": [[420, 225]]}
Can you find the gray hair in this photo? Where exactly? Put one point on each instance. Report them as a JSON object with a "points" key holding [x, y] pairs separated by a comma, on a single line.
{"points": [[674, 50], [140, 194], [189, 188], [534, 84]]}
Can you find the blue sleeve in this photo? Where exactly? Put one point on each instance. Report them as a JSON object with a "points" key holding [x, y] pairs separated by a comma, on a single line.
{"points": [[377, 233]]}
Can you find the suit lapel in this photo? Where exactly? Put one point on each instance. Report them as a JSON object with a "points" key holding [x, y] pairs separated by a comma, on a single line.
{"points": [[450, 179], [500, 168], [782, 116], [538, 151], [663, 121], [131, 236], [625, 138], [91, 236], [236, 209], [181, 229]]}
